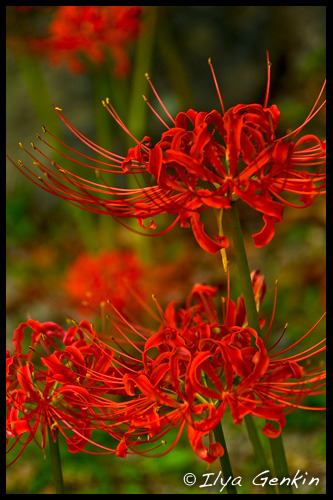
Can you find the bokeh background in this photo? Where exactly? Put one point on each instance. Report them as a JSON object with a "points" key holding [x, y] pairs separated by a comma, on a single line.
{"points": [[45, 235]]}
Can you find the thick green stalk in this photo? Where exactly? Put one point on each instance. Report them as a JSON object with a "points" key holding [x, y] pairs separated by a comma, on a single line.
{"points": [[277, 448], [55, 463], [258, 449], [243, 267], [280, 463], [224, 460]]}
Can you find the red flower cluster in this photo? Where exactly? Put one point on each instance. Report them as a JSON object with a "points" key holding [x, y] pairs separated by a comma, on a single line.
{"points": [[185, 374], [202, 160], [52, 385], [108, 275], [194, 367], [81, 34]]}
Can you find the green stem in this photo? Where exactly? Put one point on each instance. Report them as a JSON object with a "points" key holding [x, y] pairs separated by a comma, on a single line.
{"points": [[243, 267], [280, 463], [55, 463], [276, 444], [224, 460], [258, 448]]}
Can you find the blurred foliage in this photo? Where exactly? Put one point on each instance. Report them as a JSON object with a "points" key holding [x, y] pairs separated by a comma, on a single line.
{"points": [[44, 235]]}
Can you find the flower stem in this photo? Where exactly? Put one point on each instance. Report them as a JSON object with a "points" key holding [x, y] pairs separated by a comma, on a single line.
{"points": [[243, 267], [55, 463], [276, 444], [258, 448], [280, 463], [224, 460]]}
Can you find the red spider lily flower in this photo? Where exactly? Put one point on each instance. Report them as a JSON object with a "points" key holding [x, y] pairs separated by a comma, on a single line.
{"points": [[203, 160], [53, 386], [183, 376], [195, 366], [109, 275], [79, 36]]}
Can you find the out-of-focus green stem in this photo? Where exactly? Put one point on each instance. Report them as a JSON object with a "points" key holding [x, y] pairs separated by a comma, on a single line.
{"points": [[137, 109], [174, 64], [33, 76], [106, 129]]}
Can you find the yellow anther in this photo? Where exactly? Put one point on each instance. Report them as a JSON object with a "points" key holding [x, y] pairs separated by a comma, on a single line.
{"points": [[70, 321], [57, 109], [43, 128], [147, 76]]}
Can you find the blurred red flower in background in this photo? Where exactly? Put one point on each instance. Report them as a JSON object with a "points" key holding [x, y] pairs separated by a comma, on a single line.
{"points": [[78, 36], [108, 275], [94, 32]]}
